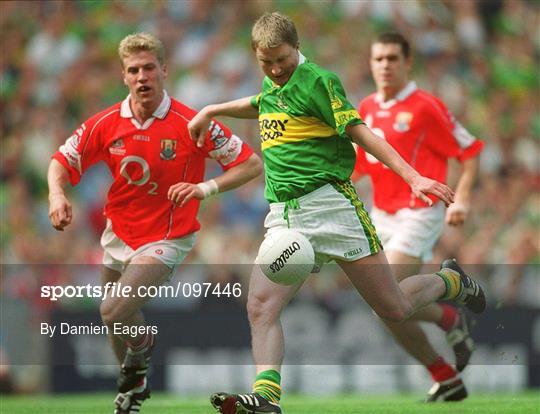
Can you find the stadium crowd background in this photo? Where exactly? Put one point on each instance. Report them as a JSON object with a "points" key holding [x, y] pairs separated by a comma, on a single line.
{"points": [[59, 65]]}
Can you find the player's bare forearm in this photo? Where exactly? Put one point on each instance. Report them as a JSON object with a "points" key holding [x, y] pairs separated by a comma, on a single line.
{"points": [[458, 212], [240, 174], [57, 177], [239, 108], [60, 212], [381, 150], [467, 180]]}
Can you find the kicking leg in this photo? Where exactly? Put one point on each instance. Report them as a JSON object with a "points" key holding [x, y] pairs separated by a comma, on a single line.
{"points": [[409, 334], [454, 322], [412, 337], [373, 279], [395, 303]]}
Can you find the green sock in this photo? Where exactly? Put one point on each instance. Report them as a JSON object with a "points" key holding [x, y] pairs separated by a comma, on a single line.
{"points": [[452, 281], [267, 384]]}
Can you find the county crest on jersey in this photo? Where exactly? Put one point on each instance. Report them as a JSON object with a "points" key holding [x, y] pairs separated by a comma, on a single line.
{"points": [[168, 149]]}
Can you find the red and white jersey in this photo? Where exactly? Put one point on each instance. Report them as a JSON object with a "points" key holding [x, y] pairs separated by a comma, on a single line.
{"points": [[423, 131], [145, 160]]}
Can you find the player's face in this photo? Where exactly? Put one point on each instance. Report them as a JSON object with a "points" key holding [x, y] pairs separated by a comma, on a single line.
{"points": [[144, 76], [389, 67], [278, 63]]}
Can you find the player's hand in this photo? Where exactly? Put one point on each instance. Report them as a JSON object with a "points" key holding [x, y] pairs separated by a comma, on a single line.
{"points": [[60, 212], [181, 193], [422, 186], [457, 213], [198, 127]]}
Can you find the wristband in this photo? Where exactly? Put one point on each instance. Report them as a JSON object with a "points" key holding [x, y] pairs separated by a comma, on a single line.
{"points": [[208, 188]]}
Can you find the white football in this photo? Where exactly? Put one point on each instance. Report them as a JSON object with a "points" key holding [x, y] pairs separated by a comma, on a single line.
{"points": [[286, 257]]}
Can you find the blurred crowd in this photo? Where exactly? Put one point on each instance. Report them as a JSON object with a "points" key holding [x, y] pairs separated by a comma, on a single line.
{"points": [[59, 65]]}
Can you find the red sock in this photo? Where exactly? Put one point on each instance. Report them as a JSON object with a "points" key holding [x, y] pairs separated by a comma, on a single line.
{"points": [[441, 370], [449, 318]]}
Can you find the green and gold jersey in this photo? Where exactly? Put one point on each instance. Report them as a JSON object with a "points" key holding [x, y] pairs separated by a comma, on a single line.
{"points": [[302, 129]]}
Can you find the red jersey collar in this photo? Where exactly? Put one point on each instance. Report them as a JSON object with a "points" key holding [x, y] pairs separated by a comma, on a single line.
{"points": [[403, 94], [160, 112]]}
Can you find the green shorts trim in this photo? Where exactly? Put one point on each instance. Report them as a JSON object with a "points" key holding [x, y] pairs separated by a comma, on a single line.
{"points": [[349, 192]]}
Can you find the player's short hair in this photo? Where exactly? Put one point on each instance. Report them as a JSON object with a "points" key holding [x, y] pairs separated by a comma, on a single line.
{"points": [[138, 42], [273, 30], [397, 38]]}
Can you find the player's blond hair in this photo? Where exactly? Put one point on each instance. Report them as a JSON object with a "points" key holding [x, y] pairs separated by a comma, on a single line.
{"points": [[138, 42], [273, 30]]}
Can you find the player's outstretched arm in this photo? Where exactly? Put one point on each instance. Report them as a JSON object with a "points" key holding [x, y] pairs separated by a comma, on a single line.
{"points": [[457, 213], [239, 108], [60, 212], [385, 153], [234, 177]]}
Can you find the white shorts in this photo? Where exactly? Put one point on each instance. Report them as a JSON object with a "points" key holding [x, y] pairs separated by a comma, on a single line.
{"points": [[413, 232], [334, 221], [117, 254]]}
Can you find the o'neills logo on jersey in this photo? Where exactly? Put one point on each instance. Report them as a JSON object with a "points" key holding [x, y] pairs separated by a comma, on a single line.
{"points": [[403, 121], [117, 147], [168, 149]]}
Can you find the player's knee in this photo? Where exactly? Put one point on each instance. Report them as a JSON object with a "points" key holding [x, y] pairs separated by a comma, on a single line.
{"points": [[262, 310], [112, 312], [395, 315], [106, 311]]}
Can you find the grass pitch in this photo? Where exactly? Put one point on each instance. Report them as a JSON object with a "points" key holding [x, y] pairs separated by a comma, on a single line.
{"points": [[522, 403]]}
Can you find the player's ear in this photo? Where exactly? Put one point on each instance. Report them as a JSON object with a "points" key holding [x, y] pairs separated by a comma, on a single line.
{"points": [[123, 73], [408, 62], [164, 70]]}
